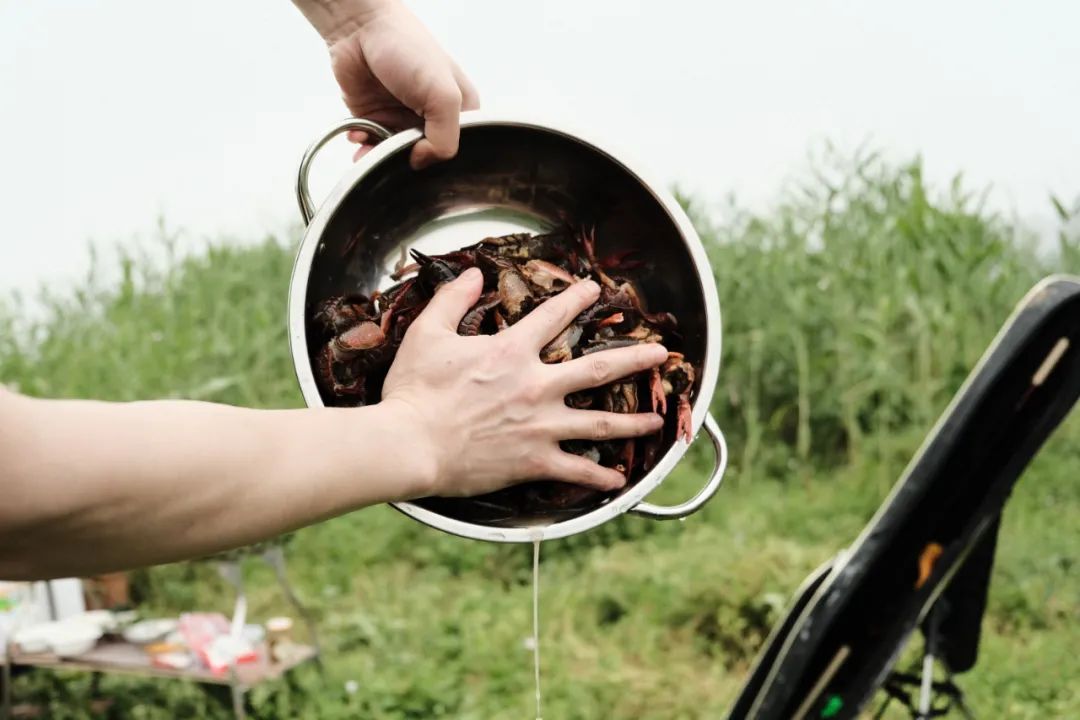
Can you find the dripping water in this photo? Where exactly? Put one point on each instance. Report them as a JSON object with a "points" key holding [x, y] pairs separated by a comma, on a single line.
{"points": [[536, 621]]}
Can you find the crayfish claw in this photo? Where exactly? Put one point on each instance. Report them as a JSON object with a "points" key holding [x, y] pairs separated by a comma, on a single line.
{"points": [[685, 424], [656, 390]]}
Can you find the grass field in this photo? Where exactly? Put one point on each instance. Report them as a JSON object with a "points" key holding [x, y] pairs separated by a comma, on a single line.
{"points": [[853, 310]]}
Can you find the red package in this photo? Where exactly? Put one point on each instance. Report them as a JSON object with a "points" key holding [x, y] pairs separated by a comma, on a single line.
{"points": [[207, 634]]}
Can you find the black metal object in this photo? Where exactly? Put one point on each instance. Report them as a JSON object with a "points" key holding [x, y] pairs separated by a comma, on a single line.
{"points": [[965, 599], [933, 539]]}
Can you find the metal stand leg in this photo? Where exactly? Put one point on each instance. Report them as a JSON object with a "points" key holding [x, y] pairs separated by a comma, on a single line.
{"points": [[234, 575], [275, 558], [928, 687], [927, 684], [930, 631], [5, 710]]}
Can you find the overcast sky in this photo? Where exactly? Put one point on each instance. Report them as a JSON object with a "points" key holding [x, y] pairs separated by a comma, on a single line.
{"points": [[115, 111]]}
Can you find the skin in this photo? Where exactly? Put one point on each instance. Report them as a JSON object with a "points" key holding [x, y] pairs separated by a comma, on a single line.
{"points": [[90, 487], [391, 70], [93, 487]]}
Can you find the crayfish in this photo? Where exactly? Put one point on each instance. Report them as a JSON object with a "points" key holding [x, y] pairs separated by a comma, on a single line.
{"points": [[358, 337]]}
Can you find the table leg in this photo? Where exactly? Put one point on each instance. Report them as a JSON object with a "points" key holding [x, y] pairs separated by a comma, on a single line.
{"points": [[237, 694], [275, 557]]}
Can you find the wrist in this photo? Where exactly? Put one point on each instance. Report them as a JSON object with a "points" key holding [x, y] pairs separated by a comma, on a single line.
{"points": [[337, 19], [354, 457], [410, 448]]}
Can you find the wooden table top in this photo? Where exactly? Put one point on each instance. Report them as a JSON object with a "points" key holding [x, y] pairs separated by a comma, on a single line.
{"points": [[122, 657]]}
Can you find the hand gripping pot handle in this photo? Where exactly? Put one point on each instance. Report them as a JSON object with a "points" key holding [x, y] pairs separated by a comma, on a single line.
{"points": [[691, 506], [303, 193]]}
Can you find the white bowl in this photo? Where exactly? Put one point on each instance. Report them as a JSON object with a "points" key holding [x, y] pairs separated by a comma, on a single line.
{"points": [[32, 639], [74, 645], [149, 631], [72, 636]]}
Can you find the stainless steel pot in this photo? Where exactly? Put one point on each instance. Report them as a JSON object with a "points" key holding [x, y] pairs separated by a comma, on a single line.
{"points": [[510, 175]]}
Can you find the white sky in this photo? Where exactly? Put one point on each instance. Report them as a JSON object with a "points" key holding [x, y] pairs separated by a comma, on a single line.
{"points": [[115, 111]]}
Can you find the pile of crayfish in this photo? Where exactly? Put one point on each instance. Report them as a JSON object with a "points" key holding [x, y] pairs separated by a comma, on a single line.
{"points": [[359, 336]]}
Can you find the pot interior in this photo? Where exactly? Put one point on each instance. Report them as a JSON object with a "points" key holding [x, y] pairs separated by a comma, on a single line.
{"points": [[505, 178]]}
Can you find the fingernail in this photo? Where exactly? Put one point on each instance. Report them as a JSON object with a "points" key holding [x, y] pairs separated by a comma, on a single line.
{"points": [[471, 274], [592, 286], [655, 421], [617, 484]]}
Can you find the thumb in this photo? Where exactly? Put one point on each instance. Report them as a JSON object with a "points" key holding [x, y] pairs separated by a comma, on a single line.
{"points": [[454, 299]]}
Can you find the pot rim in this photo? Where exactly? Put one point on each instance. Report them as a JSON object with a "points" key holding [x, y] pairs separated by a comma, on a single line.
{"points": [[298, 289]]}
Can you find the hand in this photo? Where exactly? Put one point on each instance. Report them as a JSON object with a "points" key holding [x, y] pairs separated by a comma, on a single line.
{"points": [[491, 412], [392, 71]]}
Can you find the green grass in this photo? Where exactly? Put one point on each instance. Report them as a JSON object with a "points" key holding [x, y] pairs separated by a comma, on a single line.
{"points": [[853, 311]]}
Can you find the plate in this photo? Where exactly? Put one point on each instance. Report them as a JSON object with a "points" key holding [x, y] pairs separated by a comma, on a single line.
{"points": [[149, 631]]}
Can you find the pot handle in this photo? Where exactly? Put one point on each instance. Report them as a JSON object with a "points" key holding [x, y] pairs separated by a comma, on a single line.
{"points": [[303, 194], [691, 506]]}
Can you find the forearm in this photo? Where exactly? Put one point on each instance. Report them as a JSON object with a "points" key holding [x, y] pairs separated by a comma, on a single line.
{"points": [[89, 487], [335, 19]]}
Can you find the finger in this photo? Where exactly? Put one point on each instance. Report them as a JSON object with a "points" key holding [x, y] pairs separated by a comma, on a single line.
{"points": [[543, 324], [600, 368], [582, 471], [393, 118], [453, 300], [599, 425], [441, 124], [357, 136], [362, 151], [470, 98]]}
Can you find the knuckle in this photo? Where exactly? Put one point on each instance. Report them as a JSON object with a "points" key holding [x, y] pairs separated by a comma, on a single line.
{"points": [[532, 392], [603, 429], [600, 369], [504, 352], [446, 95]]}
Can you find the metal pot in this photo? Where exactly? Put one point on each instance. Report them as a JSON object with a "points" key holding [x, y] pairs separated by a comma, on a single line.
{"points": [[510, 175]]}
